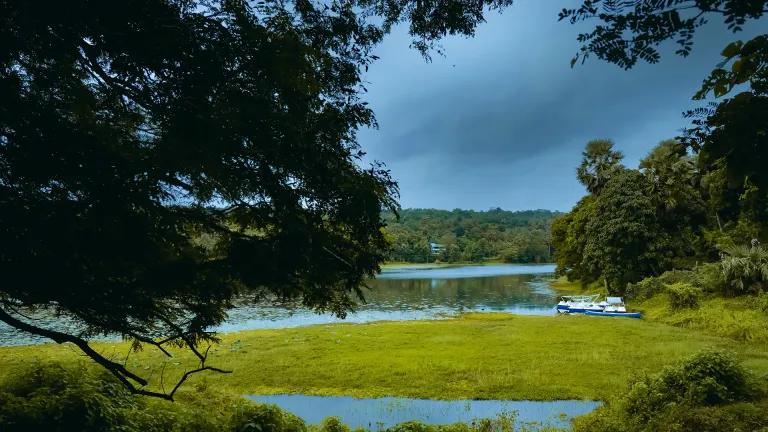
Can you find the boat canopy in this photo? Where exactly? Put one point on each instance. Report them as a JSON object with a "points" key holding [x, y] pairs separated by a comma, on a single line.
{"points": [[581, 298], [614, 300]]}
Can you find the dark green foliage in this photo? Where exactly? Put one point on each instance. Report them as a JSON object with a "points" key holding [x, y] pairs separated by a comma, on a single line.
{"points": [[709, 277], [634, 223], [704, 278], [268, 418], [599, 162], [51, 398], [674, 188], [633, 30], [760, 302], [645, 289], [130, 130], [724, 202], [732, 140], [708, 384], [569, 239], [470, 236], [745, 269], [747, 66], [430, 20], [683, 295], [333, 424], [624, 241]]}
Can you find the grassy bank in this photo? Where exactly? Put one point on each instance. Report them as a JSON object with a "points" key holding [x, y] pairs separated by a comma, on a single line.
{"points": [[479, 356], [735, 318]]}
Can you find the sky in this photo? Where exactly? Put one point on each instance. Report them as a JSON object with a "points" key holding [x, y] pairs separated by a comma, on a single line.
{"points": [[501, 119]]}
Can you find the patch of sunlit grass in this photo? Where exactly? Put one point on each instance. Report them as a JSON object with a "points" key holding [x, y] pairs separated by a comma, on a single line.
{"points": [[477, 356]]}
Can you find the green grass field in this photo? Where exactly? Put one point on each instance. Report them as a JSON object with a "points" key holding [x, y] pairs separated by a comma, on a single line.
{"points": [[477, 356]]}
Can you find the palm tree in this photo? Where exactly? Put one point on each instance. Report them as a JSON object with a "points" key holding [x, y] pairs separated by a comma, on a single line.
{"points": [[600, 161], [746, 267]]}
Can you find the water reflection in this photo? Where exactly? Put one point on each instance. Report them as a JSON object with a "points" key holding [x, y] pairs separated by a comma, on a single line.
{"points": [[381, 413], [424, 293], [397, 294]]}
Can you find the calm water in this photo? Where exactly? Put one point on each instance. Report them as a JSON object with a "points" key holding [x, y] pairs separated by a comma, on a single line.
{"points": [[409, 293], [413, 293], [380, 413]]}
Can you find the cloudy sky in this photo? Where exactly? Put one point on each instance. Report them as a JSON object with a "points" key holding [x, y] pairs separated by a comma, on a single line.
{"points": [[501, 119]]}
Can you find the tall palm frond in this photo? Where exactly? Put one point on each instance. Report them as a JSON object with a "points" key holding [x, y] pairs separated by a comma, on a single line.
{"points": [[746, 267]]}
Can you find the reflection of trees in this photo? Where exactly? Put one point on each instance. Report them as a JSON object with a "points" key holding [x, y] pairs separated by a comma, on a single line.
{"points": [[494, 292]]}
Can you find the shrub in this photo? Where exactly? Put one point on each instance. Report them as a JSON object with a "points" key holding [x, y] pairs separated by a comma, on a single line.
{"points": [[683, 295], [707, 383], [746, 268], [52, 398], [333, 424], [49, 397], [267, 418], [644, 289], [709, 278], [759, 302], [677, 276]]}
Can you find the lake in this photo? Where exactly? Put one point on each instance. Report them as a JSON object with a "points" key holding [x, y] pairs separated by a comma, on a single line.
{"points": [[412, 293], [379, 413], [403, 293]]}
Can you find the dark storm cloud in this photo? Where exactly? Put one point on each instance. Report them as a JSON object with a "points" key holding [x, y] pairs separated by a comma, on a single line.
{"points": [[502, 118]]}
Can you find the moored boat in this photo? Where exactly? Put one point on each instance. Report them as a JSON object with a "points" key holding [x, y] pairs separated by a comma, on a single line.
{"points": [[578, 304], [588, 304], [615, 314]]}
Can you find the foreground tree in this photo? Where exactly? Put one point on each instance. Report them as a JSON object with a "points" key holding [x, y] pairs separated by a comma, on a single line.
{"points": [[161, 160]]}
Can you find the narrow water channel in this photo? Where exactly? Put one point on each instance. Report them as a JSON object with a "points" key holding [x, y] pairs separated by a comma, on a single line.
{"points": [[380, 413]]}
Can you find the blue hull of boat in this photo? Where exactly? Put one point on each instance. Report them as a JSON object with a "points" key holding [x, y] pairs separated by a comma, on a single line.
{"points": [[615, 314], [579, 310]]}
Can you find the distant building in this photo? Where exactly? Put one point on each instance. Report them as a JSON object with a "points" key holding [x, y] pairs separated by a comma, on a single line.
{"points": [[436, 248]]}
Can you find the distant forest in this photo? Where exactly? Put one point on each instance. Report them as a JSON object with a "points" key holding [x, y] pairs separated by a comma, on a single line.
{"points": [[470, 236]]}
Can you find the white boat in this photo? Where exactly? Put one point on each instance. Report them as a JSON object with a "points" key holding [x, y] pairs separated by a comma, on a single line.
{"points": [[588, 304], [579, 304]]}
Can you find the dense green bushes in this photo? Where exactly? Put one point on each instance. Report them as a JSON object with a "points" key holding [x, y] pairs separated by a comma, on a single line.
{"points": [[49, 397], [707, 392], [683, 295], [704, 278], [746, 268]]}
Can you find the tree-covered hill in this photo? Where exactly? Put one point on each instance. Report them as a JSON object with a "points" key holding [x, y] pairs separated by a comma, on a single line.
{"points": [[470, 236]]}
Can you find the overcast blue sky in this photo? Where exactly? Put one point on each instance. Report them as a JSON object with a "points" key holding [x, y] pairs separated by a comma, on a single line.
{"points": [[501, 119]]}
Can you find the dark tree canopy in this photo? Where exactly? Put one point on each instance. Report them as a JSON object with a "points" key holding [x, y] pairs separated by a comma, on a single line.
{"points": [[624, 241], [629, 31], [160, 159]]}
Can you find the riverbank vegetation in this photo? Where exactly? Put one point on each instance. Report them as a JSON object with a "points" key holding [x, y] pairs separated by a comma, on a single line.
{"points": [[709, 391], [469, 236], [682, 235]]}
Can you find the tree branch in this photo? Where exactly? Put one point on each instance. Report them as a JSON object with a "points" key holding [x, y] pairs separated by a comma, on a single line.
{"points": [[118, 370]]}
